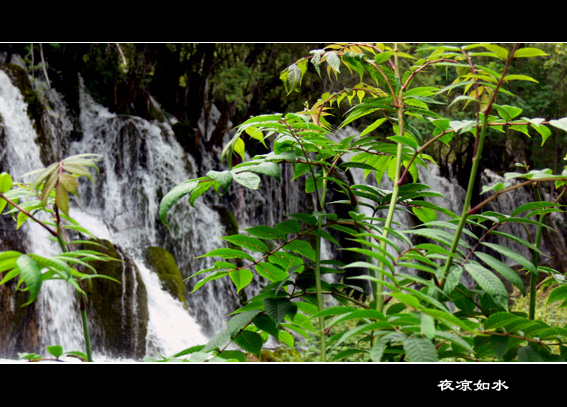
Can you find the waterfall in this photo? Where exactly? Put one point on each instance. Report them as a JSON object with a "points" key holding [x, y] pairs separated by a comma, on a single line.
{"points": [[141, 161], [21, 154]]}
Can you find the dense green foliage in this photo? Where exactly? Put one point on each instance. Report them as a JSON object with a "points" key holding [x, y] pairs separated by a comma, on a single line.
{"points": [[418, 309], [49, 194]]}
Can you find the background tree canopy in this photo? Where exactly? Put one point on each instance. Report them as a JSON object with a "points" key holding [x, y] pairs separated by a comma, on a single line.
{"points": [[243, 80]]}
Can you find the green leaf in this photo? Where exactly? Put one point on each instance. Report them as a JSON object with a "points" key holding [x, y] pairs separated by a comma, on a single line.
{"points": [[6, 183], [499, 345], [560, 124], [285, 260], [558, 294], [173, 196], [265, 232], [55, 350], [240, 321], [499, 51], [269, 168], [31, 274], [518, 258], [305, 218], [533, 205], [427, 326], [266, 324], [424, 214], [224, 179], [293, 77], [251, 243], [247, 179], [227, 254], [250, 341], [271, 271], [529, 52], [277, 308], [504, 270], [489, 283], [377, 350], [508, 113], [241, 278], [420, 349], [333, 60], [289, 226], [302, 248], [529, 354], [62, 199]]}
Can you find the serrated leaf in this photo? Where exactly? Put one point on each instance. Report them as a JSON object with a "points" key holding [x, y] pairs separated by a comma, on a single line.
{"points": [[377, 350], [62, 199], [49, 185], [248, 242], [269, 168], [333, 60], [267, 324], [499, 345], [529, 52], [271, 271], [518, 258], [174, 195], [305, 218], [489, 283], [70, 183], [277, 308], [240, 321], [31, 274], [6, 183], [77, 169], [293, 78], [560, 124], [420, 349], [285, 260], [504, 270], [241, 278], [55, 350], [529, 354], [250, 341], [247, 179], [499, 51], [302, 248], [265, 232], [558, 294], [224, 179], [227, 253]]}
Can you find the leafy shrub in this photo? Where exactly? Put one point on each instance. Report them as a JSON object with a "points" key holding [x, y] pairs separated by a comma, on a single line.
{"points": [[423, 316]]}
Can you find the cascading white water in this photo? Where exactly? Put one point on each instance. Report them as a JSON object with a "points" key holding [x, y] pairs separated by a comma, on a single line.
{"points": [[21, 154], [122, 208]]}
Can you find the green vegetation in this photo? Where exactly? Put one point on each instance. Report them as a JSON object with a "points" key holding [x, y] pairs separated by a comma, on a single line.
{"points": [[49, 194], [425, 315], [464, 108]]}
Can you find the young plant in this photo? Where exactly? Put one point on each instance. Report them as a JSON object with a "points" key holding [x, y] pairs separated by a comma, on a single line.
{"points": [[49, 194], [422, 315]]}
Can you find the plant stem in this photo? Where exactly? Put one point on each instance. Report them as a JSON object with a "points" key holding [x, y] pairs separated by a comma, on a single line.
{"points": [[474, 170], [396, 189], [82, 298], [468, 198], [535, 261], [318, 287]]}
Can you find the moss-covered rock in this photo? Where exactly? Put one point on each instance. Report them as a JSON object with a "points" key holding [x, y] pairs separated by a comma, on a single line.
{"points": [[162, 262], [118, 312]]}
